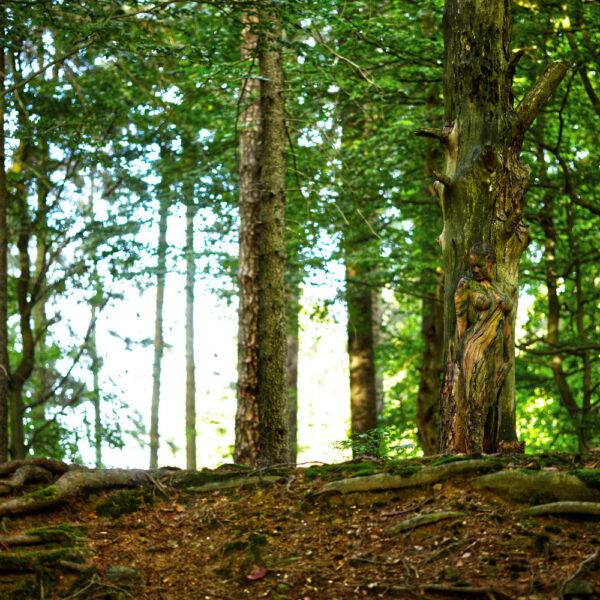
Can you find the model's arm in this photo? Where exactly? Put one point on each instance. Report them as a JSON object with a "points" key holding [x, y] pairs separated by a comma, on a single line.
{"points": [[461, 303]]}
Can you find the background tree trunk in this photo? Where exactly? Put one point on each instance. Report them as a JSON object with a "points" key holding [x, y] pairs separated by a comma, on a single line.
{"points": [[246, 420], [4, 365], [484, 184], [161, 268], [363, 395], [190, 366], [272, 383]]}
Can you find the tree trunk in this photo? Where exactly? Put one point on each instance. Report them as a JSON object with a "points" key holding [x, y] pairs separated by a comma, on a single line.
{"points": [[190, 366], [4, 364], [483, 186], [93, 352], [25, 302], [363, 396], [161, 269], [246, 420], [432, 329], [272, 384], [432, 304], [293, 328]]}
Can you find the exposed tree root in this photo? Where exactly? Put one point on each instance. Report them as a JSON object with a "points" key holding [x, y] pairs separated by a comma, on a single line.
{"points": [[18, 562], [445, 590], [555, 508], [521, 486], [426, 476], [234, 483], [23, 475], [54, 466], [71, 483], [421, 520]]}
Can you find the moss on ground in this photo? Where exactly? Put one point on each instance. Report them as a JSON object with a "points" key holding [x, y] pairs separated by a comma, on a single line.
{"points": [[45, 492], [65, 532], [591, 477], [123, 503]]}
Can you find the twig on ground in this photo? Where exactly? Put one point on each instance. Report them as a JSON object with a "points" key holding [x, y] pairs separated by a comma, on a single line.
{"points": [[591, 558]]}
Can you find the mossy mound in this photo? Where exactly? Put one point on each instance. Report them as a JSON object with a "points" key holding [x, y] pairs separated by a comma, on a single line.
{"points": [[123, 503]]}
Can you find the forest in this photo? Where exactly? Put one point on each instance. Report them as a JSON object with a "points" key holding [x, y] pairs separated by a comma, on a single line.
{"points": [[117, 116], [419, 174]]}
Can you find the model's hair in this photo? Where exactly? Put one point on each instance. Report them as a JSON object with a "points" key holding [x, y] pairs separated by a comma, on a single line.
{"points": [[483, 250]]}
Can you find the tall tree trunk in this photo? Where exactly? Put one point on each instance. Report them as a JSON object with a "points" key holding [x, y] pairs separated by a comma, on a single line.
{"points": [[293, 329], [96, 400], [272, 384], [363, 396], [432, 305], [190, 365], [246, 420], [4, 364], [483, 184], [25, 302], [161, 269]]}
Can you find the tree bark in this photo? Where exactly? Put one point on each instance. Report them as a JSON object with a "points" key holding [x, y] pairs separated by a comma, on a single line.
{"points": [[190, 366], [363, 395], [483, 184], [4, 364], [161, 268], [432, 304], [246, 421], [272, 384]]}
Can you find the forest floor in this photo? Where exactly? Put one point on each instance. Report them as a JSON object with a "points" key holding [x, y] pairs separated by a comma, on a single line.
{"points": [[276, 535]]}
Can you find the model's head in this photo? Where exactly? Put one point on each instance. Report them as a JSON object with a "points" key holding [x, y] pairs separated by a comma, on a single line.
{"points": [[482, 259]]}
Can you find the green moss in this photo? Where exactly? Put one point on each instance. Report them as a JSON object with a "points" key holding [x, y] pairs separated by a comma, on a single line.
{"points": [[405, 471], [30, 561], [123, 503], [334, 472], [64, 532], [199, 478], [46, 492], [442, 460], [591, 477]]}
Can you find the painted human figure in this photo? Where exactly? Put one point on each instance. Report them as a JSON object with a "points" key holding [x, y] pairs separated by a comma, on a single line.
{"points": [[483, 330]]}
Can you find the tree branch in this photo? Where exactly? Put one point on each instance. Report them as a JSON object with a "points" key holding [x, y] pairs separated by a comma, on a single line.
{"points": [[538, 94]]}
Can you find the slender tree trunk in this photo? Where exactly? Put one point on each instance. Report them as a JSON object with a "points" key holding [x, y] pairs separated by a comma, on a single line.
{"points": [[161, 269], [246, 421], [4, 364], [293, 328], [272, 383], [93, 352], [483, 184], [190, 366]]}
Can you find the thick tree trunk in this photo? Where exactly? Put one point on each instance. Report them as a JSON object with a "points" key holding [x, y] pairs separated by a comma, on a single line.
{"points": [[4, 364], [483, 184], [272, 384], [190, 366], [161, 268], [246, 421]]}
